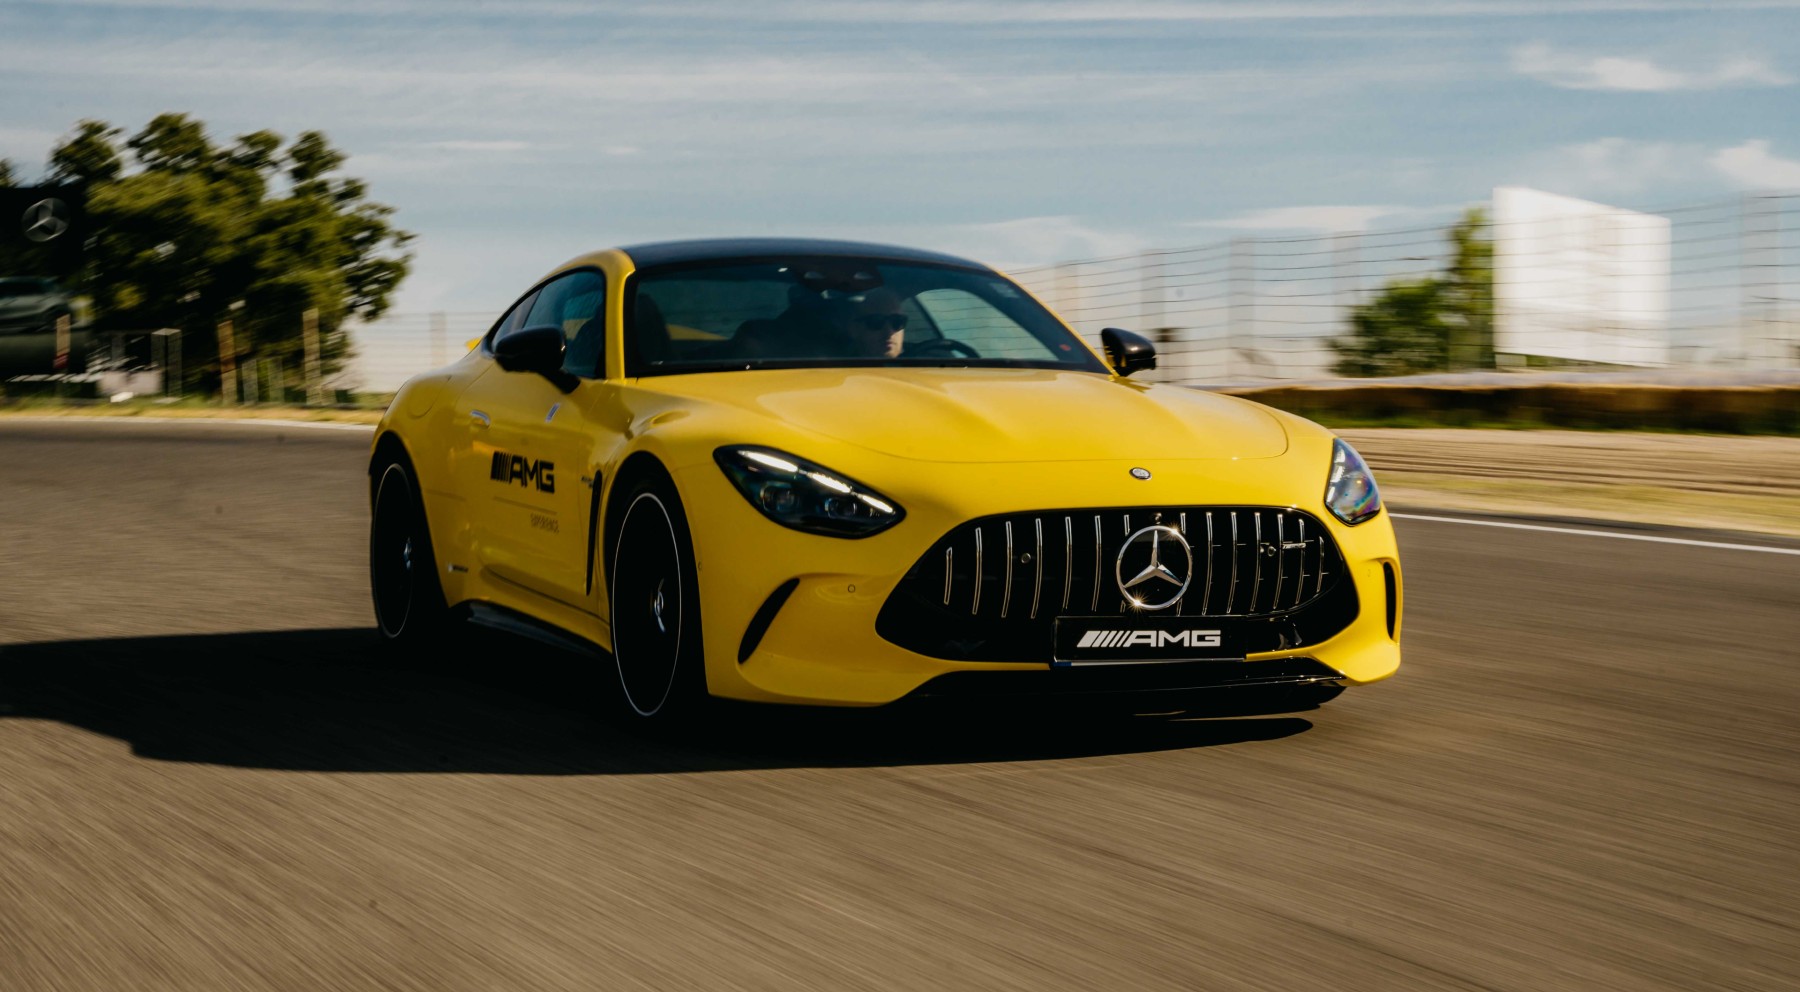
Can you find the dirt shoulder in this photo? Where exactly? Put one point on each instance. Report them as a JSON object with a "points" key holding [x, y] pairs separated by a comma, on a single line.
{"points": [[187, 411], [1732, 483]]}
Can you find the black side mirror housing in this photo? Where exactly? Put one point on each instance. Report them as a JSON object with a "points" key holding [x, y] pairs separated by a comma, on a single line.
{"points": [[538, 348], [1128, 352]]}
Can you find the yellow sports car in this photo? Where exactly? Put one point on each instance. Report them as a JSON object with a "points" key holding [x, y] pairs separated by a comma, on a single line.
{"points": [[834, 473]]}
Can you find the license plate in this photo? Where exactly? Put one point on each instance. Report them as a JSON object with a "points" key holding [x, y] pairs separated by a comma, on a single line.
{"points": [[1141, 640]]}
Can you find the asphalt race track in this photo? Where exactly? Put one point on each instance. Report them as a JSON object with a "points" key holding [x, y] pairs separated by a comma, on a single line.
{"points": [[1587, 776]]}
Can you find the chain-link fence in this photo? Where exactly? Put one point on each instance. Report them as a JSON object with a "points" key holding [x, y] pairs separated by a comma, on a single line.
{"points": [[1712, 286]]}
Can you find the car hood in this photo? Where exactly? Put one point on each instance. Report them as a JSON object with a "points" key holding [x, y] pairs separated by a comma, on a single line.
{"points": [[989, 415]]}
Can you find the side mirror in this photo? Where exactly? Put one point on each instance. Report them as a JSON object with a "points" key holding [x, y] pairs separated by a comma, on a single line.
{"points": [[539, 349], [1128, 352]]}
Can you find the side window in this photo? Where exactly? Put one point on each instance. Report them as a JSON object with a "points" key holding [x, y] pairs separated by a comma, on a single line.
{"points": [[514, 319], [576, 303]]}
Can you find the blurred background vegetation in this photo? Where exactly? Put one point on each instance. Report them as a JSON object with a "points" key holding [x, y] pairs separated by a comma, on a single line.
{"points": [[185, 233]]}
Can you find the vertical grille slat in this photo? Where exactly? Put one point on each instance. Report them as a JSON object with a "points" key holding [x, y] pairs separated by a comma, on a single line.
{"points": [[1280, 558], [1006, 596], [1300, 580], [1319, 584], [1181, 604], [1231, 597], [1256, 560], [1094, 607], [1206, 598], [949, 571], [1068, 557], [1037, 584], [975, 606]]}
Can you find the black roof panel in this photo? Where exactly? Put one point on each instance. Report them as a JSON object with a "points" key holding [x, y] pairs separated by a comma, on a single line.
{"points": [[714, 249]]}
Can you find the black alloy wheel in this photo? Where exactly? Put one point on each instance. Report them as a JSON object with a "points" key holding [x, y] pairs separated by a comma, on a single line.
{"points": [[656, 605], [409, 599]]}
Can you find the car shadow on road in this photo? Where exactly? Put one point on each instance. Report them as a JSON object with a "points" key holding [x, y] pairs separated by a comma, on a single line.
{"points": [[341, 700]]}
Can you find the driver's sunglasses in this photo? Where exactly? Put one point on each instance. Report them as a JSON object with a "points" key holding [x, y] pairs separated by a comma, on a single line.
{"points": [[889, 322]]}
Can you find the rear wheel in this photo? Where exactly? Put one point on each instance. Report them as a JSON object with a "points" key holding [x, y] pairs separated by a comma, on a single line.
{"points": [[409, 599], [655, 603]]}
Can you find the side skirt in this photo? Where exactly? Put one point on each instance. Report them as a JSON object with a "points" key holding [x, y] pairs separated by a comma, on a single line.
{"points": [[512, 621]]}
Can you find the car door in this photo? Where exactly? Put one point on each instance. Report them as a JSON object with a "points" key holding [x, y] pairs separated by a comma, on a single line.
{"points": [[533, 451]]}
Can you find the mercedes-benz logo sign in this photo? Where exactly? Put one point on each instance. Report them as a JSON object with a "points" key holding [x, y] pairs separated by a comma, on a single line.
{"points": [[46, 220], [1138, 589]]}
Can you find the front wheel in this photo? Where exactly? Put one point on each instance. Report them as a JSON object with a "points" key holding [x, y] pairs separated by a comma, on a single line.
{"points": [[655, 599], [409, 599]]}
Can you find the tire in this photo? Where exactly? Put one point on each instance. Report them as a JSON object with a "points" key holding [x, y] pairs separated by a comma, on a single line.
{"points": [[653, 591], [403, 578]]}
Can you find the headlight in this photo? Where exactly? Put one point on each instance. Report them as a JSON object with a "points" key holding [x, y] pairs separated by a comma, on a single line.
{"points": [[1350, 492], [806, 496]]}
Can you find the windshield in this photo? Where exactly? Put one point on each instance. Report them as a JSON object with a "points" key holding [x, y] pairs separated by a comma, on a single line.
{"points": [[838, 312]]}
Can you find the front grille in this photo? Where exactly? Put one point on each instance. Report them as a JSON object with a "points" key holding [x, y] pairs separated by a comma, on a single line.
{"points": [[991, 589]]}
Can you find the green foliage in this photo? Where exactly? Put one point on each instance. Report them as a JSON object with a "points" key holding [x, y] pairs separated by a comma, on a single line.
{"points": [[1439, 324], [191, 233]]}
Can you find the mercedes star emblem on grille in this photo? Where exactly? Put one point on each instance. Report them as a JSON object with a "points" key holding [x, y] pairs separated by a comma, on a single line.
{"points": [[1137, 590], [46, 220]]}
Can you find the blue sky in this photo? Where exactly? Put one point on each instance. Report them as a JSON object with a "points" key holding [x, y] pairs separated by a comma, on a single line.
{"points": [[511, 136]]}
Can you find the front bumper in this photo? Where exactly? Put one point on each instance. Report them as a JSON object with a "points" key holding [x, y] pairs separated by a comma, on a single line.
{"points": [[819, 643]]}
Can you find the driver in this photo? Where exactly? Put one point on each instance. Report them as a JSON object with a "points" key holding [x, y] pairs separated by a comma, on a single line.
{"points": [[874, 326]]}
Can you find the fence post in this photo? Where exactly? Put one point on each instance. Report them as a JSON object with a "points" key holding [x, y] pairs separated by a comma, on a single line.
{"points": [[1758, 261], [1240, 306], [309, 340], [439, 325], [61, 362], [228, 387], [1150, 293], [165, 350], [1346, 272]]}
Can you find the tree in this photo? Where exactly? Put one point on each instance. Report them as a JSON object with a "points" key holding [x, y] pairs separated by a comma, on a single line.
{"points": [[1437, 324], [189, 233]]}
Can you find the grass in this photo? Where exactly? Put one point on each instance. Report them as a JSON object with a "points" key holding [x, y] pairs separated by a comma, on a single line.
{"points": [[367, 409]]}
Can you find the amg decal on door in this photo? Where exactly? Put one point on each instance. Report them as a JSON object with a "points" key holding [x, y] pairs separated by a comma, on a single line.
{"points": [[526, 472]]}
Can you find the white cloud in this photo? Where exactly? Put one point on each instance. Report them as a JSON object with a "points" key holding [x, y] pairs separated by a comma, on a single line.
{"points": [[1751, 166], [1030, 241], [466, 145], [1606, 168], [1637, 75], [1074, 12], [1322, 218]]}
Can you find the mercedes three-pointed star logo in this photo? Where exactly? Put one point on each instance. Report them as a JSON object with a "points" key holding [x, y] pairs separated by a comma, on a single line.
{"points": [[1155, 571], [46, 220]]}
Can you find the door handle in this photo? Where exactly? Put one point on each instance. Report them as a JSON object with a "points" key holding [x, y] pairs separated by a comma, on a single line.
{"points": [[479, 420]]}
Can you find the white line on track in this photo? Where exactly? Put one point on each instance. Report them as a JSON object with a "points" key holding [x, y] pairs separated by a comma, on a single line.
{"points": [[324, 425], [1599, 533]]}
